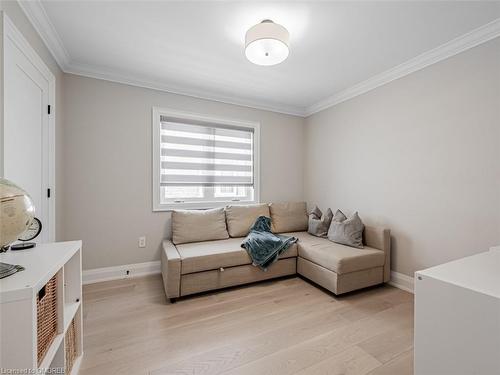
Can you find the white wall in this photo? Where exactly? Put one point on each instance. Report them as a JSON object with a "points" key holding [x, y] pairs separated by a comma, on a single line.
{"points": [[107, 165], [420, 155]]}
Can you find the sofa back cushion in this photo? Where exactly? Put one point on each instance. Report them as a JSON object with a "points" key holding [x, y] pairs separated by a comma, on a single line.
{"points": [[241, 218], [198, 225], [288, 217]]}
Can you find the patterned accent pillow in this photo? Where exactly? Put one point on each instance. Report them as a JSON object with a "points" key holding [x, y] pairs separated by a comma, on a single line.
{"points": [[347, 232], [319, 223]]}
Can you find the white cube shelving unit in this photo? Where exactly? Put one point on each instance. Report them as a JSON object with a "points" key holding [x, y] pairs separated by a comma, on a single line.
{"points": [[18, 305], [457, 317]]}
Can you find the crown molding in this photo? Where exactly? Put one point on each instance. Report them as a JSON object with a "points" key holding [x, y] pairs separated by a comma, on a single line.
{"points": [[92, 71], [11, 32], [38, 17], [36, 14], [455, 46]]}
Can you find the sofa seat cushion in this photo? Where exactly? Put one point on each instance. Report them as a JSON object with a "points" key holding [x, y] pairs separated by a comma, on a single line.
{"points": [[211, 255], [336, 257]]}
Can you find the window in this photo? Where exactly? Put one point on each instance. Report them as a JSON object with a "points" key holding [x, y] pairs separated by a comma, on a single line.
{"points": [[202, 162]]}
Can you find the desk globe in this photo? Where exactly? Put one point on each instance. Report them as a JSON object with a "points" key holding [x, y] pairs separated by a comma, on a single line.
{"points": [[16, 212]]}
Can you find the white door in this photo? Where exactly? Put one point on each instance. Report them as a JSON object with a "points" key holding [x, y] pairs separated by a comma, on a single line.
{"points": [[26, 129]]}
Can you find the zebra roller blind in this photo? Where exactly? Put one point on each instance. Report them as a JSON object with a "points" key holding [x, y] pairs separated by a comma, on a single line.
{"points": [[203, 155]]}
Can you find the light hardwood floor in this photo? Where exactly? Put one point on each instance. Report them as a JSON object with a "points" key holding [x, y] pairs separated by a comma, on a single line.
{"points": [[281, 327]]}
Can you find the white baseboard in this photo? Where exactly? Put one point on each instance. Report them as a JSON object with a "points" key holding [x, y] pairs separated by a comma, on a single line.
{"points": [[401, 281], [120, 272], [97, 275]]}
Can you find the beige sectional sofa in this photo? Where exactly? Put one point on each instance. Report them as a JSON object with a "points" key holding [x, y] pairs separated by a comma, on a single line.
{"points": [[205, 252]]}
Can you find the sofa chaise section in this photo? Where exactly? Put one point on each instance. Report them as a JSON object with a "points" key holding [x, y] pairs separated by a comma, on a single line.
{"points": [[340, 268]]}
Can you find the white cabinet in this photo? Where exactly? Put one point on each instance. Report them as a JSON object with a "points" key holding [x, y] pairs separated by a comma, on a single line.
{"points": [[18, 307], [457, 317]]}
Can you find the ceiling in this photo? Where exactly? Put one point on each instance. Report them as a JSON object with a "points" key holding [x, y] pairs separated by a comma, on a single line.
{"points": [[197, 48]]}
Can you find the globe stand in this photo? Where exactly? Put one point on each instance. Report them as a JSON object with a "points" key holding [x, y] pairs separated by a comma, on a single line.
{"points": [[22, 246]]}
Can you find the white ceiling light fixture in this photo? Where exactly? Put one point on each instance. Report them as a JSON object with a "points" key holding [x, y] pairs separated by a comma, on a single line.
{"points": [[267, 43]]}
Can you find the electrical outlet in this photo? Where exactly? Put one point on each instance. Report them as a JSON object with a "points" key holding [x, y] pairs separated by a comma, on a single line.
{"points": [[142, 241]]}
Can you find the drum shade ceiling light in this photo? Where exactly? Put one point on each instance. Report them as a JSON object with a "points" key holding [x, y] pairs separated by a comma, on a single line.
{"points": [[267, 43]]}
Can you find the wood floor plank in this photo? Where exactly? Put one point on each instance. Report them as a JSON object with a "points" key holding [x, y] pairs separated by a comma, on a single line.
{"points": [[352, 361], [174, 343], [401, 365], [248, 350], [295, 357], [181, 321], [133, 324], [389, 345], [280, 327]]}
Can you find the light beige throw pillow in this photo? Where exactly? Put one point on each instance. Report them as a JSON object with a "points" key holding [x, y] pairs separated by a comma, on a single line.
{"points": [[198, 225], [241, 218], [288, 217]]}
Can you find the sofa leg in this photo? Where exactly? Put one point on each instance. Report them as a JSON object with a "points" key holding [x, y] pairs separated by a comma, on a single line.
{"points": [[172, 300]]}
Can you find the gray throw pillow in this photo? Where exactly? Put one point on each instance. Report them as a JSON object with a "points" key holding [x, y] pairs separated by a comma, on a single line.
{"points": [[319, 223], [348, 232], [316, 212], [339, 216]]}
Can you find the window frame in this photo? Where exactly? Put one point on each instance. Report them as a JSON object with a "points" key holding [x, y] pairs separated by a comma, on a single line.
{"points": [[157, 112]]}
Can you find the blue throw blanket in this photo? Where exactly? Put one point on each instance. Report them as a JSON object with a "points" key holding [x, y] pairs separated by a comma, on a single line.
{"points": [[263, 246]]}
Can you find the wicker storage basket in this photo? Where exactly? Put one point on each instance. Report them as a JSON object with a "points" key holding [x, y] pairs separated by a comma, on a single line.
{"points": [[70, 347], [46, 318]]}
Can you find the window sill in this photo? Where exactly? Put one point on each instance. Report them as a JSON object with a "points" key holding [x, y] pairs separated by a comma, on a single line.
{"points": [[199, 205]]}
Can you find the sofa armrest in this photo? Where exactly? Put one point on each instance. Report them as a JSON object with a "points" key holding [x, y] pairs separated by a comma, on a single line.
{"points": [[380, 238], [171, 269]]}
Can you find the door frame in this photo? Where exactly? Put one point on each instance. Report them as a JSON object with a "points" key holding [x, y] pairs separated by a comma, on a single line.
{"points": [[11, 32]]}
